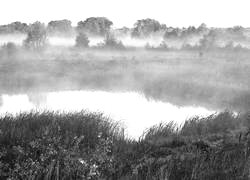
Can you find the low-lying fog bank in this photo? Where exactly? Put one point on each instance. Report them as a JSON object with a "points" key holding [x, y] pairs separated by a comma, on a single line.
{"points": [[217, 79], [132, 109], [93, 41]]}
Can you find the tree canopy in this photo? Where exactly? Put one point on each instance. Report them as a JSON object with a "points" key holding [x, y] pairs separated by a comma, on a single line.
{"points": [[98, 26], [15, 27], [145, 27], [60, 26]]}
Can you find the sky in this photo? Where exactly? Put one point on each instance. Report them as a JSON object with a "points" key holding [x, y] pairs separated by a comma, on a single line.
{"points": [[175, 13]]}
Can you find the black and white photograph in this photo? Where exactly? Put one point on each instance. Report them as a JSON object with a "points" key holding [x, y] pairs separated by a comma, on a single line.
{"points": [[125, 90]]}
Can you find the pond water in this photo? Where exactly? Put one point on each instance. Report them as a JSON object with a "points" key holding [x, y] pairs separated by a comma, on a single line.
{"points": [[132, 109]]}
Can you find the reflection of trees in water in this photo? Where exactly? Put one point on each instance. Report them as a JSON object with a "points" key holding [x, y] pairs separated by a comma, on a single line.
{"points": [[38, 99]]}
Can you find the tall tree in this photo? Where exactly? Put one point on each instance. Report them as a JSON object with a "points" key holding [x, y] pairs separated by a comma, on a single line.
{"points": [[36, 38]]}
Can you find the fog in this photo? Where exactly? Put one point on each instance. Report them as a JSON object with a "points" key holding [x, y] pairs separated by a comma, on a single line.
{"points": [[133, 85], [15, 38], [70, 40], [218, 80]]}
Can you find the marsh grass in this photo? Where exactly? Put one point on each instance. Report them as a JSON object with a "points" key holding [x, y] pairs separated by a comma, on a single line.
{"points": [[83, 145]]}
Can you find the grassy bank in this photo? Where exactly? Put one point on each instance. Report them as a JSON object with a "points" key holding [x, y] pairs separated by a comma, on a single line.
{"points": [[83, 145]]}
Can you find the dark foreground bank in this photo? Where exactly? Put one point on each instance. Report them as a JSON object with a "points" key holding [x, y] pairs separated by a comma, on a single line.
{"points": [[83, 145]]}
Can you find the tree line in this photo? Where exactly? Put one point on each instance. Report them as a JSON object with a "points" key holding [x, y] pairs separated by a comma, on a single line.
{"points": [[38, 32], [100, 26]]}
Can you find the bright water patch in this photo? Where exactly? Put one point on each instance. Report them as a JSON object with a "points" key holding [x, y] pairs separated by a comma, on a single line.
{"points": [[132, 109]]}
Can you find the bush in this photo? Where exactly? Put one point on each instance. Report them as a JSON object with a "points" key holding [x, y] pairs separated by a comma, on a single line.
{"points": [[110, 42], [82, 40]]}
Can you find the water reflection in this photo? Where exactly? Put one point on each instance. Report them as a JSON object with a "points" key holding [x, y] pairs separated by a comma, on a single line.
{"points": [[133, 109]]}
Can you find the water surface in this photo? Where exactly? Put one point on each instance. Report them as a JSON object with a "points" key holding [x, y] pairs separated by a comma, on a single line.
{"points": [[132, 109]]}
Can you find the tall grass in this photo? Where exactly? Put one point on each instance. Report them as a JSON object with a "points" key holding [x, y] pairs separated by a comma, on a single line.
{"points": [[50, 145], [84, 145]]}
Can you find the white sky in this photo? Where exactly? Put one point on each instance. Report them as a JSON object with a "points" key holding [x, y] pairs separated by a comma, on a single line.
{"points": [[219, 13]]}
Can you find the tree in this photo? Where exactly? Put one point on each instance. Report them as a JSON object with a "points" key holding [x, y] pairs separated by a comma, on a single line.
{"points": [[208, 41], [82, 40], [172, 33], [144, 27], [110, 42], [60, 26], [36, 38], [97, 26], [19, 27], [237, 31], [202, 28], [15, 27]]}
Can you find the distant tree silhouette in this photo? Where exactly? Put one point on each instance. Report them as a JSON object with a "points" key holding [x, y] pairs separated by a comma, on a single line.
{"points": [[208, 40], [15, 27], [98, 26], [202, 28], [236, 31], [172, 33], [36, 38], [110, 42], [191, 30], [145, 27], [60, 26], [82, 40]]}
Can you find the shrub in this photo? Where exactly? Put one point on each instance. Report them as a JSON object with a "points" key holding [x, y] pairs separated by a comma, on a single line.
{"points": [[110, 42], [82, 40]]}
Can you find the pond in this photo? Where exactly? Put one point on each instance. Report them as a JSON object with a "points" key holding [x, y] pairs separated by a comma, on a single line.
{"points": [[132, 109]]}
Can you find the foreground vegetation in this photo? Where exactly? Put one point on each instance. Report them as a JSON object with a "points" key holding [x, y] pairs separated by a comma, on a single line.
{"points": [[82, 145]]}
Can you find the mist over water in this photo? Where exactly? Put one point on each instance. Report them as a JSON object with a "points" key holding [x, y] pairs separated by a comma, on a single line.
{"points": [[178, 83], [132, 109]]}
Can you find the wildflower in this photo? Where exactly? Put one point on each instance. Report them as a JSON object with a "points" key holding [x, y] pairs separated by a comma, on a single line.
{"points": [[82, 161]]}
